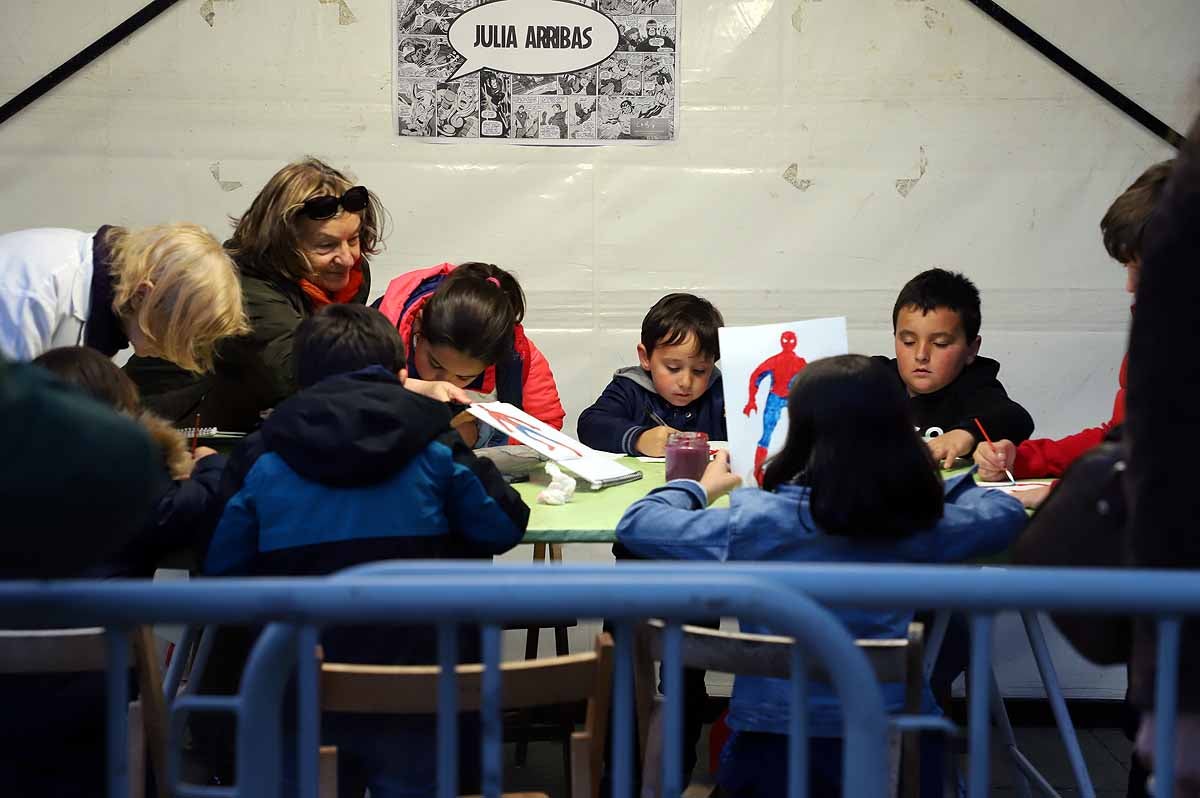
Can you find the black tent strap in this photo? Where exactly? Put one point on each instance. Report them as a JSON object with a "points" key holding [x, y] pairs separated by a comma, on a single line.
{"points": [[1081, 73], [84, 57]]}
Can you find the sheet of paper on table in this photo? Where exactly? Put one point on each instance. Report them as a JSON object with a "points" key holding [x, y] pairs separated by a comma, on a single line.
{"points": [[758, 366], [596, 468], [1008, 487]]}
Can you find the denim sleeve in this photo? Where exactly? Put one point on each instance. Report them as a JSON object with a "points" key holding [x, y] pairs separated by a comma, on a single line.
{"points": [[671, 523]]}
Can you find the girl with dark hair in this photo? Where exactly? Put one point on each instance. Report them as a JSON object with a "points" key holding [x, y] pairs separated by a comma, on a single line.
{"points": [[462, 325], [823, 502]]}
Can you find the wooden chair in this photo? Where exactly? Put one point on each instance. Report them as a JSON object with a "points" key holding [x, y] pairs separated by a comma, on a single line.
{"points": [[412, 690], [83, 651], [770, 656]]}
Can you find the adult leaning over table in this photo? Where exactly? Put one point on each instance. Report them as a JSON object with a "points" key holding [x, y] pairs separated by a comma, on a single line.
{"points": [[300, 246], [169, 290]]}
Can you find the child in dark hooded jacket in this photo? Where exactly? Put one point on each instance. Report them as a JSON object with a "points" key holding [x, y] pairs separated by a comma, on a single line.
{"points": [[357, 468]]}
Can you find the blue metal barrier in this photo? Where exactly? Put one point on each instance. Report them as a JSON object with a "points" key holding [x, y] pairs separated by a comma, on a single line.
{"points": [[980, 592], [477, 595], [449, 593]]}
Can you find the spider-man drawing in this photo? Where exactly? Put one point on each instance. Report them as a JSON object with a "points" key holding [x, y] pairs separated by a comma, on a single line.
{"points": [[783, 369]]}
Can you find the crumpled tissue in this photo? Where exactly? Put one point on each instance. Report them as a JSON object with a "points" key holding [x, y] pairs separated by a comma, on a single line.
{"points": [[561, 487]]}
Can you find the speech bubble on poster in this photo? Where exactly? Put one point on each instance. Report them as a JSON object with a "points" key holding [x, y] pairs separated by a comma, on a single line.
{"points": [[532, 37]]}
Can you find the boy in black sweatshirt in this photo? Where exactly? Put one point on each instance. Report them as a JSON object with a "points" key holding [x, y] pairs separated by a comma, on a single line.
{"points": [[936, 323]]}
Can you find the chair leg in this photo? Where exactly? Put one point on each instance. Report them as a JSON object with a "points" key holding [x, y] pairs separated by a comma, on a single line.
{"points": [[571, 773], [137, 752], [327, 777]]}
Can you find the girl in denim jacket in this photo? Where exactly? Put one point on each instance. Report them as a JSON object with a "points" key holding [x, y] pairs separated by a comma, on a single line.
{"points": [[853, 483]]}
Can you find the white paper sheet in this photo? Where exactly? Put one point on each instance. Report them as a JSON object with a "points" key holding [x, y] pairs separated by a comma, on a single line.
{"points": [[596, 468], [758, 365]]}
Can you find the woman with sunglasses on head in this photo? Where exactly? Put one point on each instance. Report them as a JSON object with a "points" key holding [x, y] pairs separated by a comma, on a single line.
{"points": [[300, 246]]}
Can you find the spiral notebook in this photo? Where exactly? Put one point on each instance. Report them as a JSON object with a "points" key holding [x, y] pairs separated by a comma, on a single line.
{"points": [[596, 468]]}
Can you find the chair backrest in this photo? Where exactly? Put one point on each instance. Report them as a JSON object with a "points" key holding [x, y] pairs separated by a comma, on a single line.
{"points": [[52, 650], [84, 651], [770, 655], [412, 690], [740, 653]]}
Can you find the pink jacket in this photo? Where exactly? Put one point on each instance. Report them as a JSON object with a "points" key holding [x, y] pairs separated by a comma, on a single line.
{"points": [[531, 386]]}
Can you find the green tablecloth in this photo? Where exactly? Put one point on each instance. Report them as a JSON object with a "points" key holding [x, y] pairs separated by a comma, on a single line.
{"points": [[592, 516]]}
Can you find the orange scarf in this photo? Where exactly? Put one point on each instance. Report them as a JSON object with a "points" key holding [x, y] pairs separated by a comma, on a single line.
{"points": [[318, 297]]}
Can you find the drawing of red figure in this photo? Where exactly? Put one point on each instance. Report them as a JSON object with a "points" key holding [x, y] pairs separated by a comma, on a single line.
{"points": [[783, 369], [511, 425]]}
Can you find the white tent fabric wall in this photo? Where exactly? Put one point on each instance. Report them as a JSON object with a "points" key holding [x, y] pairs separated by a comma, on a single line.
{"points": [[827, 152]]}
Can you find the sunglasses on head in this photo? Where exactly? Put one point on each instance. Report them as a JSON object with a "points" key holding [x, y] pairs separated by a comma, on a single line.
{"points": [[326, 206]]}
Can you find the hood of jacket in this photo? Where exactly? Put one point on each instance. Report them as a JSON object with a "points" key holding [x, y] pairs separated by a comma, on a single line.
{"points": [[407, 294], [640, 377], [175, 447], [353, 429], [103, 330]]}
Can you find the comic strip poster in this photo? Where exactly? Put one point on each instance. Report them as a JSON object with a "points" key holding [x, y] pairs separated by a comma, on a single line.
{"points": [[583, 72]]}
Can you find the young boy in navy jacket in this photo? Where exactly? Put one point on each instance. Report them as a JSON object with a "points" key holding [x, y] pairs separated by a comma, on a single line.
{"points": [[676, 379], [356, 468], [936, 322]]}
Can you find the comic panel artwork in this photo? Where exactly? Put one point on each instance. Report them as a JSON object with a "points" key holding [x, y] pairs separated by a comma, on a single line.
{"points": [[582, 120], [458, 109], [629, 96], [495, 104], [429, 17]]}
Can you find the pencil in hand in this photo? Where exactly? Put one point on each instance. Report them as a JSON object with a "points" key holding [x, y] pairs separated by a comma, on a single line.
{"points": [[988, 438]]}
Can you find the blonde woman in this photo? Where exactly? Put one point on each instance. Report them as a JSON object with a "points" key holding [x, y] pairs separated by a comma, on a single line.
{"points": [[301, 245], [170, 291]]}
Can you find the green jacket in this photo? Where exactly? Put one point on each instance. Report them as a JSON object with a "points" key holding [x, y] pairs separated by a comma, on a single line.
{"points": [[253, 373], [77, 480]]}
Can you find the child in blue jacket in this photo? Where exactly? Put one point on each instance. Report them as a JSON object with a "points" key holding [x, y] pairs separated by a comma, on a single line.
{"points": [[823, 502], [356, 468]]}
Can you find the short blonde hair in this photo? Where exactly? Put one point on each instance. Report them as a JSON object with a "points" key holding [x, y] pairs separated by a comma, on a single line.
{"points": [[266, 237], [193, 297]]}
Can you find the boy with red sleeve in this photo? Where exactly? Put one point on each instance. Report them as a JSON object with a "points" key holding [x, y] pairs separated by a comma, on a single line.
{"points": [[1122, 229]]}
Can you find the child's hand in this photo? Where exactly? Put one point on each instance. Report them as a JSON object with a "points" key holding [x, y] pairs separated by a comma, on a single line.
{"points": [[994, 459], [718, 479], [1032, 499], [438, 391], [951, 445], [653, 442], [750, 407], [465, 424], [202, 452]]}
